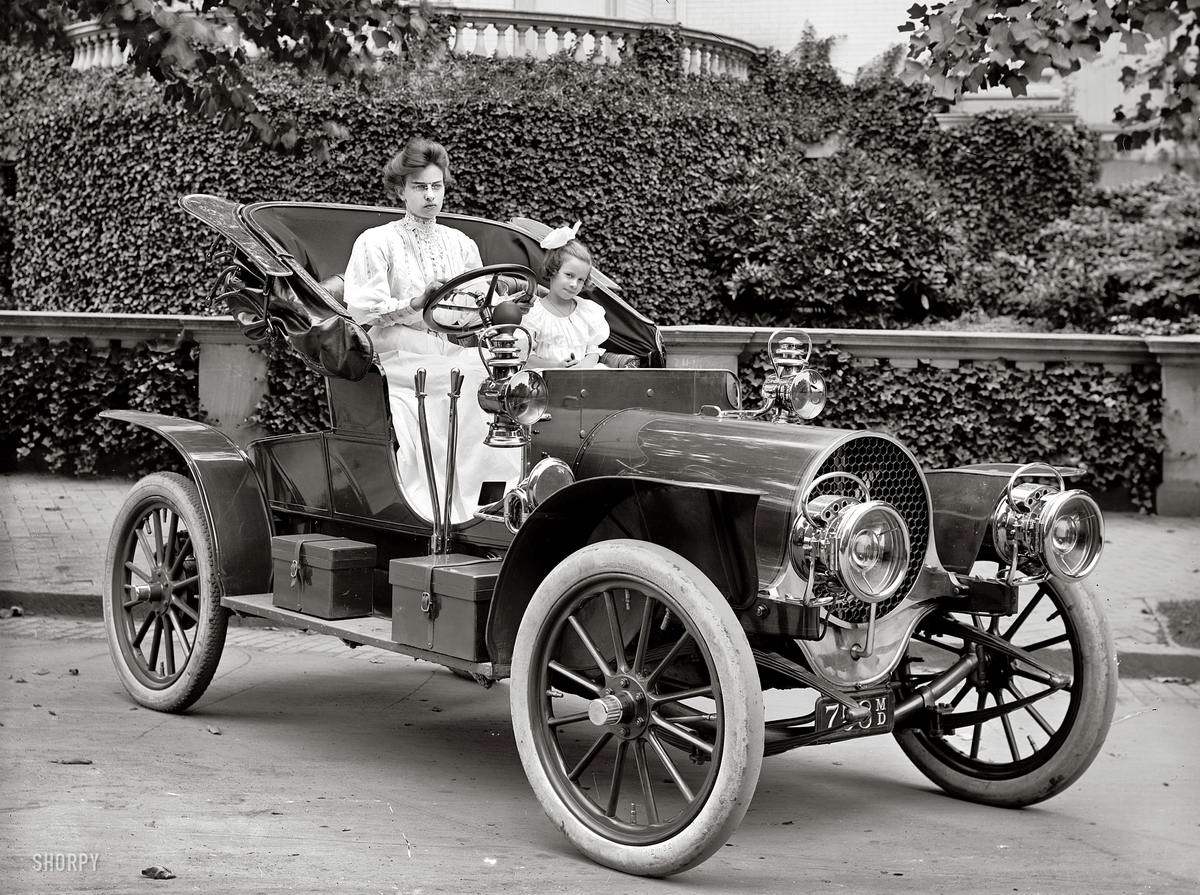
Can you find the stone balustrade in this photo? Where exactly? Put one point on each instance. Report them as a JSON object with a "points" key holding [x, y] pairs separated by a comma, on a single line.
{"points": [[505, 34], [232, 379], [94, 46]]}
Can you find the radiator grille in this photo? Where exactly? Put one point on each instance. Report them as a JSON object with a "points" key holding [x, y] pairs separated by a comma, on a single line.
{"points": [[891, 476]]}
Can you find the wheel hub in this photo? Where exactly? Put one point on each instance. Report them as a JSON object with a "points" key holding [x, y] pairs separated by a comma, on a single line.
{"points": [[153, 592], [622, 706], [607, 710]]}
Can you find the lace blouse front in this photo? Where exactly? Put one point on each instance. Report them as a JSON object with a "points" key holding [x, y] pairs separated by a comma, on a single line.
{"points": [[392, 264]]}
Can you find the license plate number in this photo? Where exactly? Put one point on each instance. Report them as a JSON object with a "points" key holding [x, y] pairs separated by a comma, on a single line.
{"points": [[834, 721]]}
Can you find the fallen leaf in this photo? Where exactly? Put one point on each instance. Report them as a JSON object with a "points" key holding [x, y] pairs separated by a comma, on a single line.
{"points": [[215, 731], [37, 705], [491, 862], [52, 712], [375, 660], [74, 672], [156, 872], [70, 761], [20, 680], [42, 671], [1176, 679]]}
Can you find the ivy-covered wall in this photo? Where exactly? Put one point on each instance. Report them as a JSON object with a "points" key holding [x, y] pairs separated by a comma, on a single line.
{"points": [[1104, 421]]}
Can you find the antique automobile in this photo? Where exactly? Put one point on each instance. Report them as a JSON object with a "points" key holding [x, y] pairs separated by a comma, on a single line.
{"points": [[669, 569]]}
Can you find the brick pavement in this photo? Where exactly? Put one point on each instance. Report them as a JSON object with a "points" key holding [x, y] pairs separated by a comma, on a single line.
{"points": [[54, 532]]}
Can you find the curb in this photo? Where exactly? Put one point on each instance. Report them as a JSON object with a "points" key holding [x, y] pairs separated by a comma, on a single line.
{"points": [[1164, 662]]}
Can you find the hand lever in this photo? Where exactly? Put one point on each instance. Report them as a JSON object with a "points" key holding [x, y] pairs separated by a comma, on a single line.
{"points": [[456, 382], [427, 452]]}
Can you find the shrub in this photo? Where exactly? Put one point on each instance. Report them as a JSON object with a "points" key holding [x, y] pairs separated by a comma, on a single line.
{"points": [[888, 118], [1007, 175], [838, 240], [1133, 256]]}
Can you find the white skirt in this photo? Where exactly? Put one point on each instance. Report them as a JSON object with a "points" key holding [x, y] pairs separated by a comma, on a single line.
{"points": [[402, 351]]}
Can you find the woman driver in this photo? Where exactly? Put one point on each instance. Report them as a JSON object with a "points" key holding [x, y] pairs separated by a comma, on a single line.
{"points": [[392, 272]]}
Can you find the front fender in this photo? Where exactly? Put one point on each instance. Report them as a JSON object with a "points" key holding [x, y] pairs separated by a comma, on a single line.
{"points": [[963, 501], [230, 493], [710, 525]]}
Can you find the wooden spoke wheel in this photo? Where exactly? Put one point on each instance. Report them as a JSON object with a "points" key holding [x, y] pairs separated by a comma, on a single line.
{"points": [[1013, 734], [637, 708], [162, 612]]}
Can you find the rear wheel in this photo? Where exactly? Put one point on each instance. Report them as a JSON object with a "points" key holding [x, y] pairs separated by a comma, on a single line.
{"points": [[1014, 735], [637, 708], [162, 610]]}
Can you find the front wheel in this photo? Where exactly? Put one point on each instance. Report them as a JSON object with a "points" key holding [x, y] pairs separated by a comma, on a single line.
{"points": [[636, 706], [1013, 734], [162, 610]]}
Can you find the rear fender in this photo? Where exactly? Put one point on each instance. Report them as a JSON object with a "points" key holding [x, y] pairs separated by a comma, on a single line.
{"points": [[712, 526], [230, 493]]}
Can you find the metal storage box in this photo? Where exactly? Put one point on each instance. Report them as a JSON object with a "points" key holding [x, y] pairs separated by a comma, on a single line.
{"points": [[323, 575], [440, 603]]}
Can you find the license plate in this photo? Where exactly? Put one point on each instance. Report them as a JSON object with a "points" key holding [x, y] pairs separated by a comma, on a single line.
{"points": [[834, 722]]}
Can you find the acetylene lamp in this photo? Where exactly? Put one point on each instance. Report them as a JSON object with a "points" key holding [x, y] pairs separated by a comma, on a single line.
{"points": [[515, 398], [1042, 529]]}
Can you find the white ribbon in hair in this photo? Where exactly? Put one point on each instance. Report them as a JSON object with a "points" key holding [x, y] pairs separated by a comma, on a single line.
{"points": [[558, 238]]}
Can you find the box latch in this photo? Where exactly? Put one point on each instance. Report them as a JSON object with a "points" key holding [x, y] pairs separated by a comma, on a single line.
{"points": [[429, 606], [296, 571]]}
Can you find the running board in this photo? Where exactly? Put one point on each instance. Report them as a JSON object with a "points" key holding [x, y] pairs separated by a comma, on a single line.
{"points": [[369, 630]]}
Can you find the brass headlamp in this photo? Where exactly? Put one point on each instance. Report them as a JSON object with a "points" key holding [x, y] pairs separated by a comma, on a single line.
{"points": [[1042, 530], [859, 543]]}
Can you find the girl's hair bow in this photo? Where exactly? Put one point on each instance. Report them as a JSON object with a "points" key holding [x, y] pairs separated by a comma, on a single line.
{"points": [[558, 238]]}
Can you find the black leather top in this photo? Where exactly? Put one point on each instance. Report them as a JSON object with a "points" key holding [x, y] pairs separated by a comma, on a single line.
{"points": [[320, 238]]}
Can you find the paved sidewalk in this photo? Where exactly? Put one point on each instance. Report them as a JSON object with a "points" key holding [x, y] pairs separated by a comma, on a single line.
{"points": [[54, 532]]}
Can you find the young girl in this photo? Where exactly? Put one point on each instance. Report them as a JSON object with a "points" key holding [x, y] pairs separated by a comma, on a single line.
{"points": [[567, 330]]}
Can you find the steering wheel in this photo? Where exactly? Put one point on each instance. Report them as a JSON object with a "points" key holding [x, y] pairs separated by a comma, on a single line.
{"points": [[450, 301]]}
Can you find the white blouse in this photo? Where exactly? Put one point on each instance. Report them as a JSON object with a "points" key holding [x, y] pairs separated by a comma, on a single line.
{"points": [[564, 339], [392, 264]]}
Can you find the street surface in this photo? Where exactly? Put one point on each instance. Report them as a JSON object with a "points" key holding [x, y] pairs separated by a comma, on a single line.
{"points": [[364, 771]]}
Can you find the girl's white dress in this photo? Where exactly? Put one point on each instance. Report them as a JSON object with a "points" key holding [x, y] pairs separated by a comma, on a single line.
{"points": [[570, 338], [388, 267]]}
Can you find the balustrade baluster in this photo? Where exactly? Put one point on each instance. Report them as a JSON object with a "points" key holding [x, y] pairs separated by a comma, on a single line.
{"points": [[539, 50], [706, 61], [522, 41], [460, 39], [694, 67], [580, 47], [600, 44], [480, 40], [502, 42]]}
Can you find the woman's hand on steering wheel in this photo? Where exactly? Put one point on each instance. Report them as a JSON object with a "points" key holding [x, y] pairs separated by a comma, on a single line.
{"points": [[450, 298]]}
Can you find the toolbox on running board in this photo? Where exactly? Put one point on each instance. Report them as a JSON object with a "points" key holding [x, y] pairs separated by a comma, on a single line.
{"points": [[322, 575], [440, 603]]}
